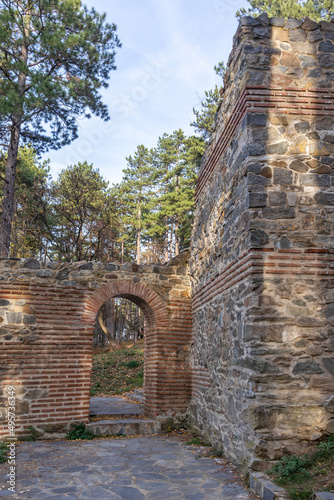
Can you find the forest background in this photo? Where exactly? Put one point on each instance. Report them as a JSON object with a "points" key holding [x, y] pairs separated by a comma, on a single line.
{"points": [[148, 216]]}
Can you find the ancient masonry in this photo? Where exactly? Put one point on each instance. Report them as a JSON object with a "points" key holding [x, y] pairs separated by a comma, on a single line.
{"points": [[47, 313], [261, 265], [262, 257]]}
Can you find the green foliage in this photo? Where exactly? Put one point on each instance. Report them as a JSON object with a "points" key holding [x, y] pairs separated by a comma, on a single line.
{"points": [[182, 423], [197, 441], [55, 57], [296, 494], [28, 220], [290, 465], [314, 9], [79, 431], [80, 207], [220, 69], [111, 373], [3, 453], [33, 434], [133, 364], [205, 116], [301, 476], [136, 189], [326, 449]]}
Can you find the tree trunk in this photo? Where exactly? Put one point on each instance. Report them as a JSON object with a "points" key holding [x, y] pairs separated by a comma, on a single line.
{"points": [[9, 185], [177, 239], [8, 191], [166, 240], [138, 236]]}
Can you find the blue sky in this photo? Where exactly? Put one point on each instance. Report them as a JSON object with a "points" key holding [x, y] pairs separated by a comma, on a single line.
{"points": [[163, 68]]}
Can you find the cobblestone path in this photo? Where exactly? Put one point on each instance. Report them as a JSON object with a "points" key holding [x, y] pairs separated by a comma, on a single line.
{"points": [[130, 469]]}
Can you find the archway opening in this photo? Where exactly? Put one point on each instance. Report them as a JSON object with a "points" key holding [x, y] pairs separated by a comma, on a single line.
{"points": [[118, 350]]}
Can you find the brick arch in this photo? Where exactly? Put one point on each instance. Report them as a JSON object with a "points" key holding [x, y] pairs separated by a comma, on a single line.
{"points": [[149, 301], [55, 305], [157, 338]]}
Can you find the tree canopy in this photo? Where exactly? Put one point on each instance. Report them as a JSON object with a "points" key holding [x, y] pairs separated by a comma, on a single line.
{"points": [[55, 57], [314, 9]]}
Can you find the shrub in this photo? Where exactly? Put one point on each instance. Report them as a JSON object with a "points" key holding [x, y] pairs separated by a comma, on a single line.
{"points": [[291, 465], [3, 453], [79, 431]]}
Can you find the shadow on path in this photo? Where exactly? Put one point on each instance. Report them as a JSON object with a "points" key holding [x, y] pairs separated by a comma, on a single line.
{"points": [[130, 469]]}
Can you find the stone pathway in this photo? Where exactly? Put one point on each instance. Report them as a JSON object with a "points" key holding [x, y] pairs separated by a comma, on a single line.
{"points": [[129, 469], [114, 406]]}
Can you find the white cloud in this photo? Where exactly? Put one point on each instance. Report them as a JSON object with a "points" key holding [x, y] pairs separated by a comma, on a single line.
{"points": [[169, 50]]}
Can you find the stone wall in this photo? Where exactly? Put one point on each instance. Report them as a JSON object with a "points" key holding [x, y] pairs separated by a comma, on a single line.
{"points": [[47, 313], [262, 257]]}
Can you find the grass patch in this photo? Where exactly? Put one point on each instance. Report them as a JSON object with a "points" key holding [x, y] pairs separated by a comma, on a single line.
{"points": [[302, 476], [113, 373], [79, 431], [3, 453], [197, 441]]}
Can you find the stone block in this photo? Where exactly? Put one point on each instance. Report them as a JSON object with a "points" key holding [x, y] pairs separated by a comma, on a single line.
{"points": [[282, 176], [29, 319], [261, 32], [258, 238], [315, 36], [278, 22], [277, 198], [306, 367], [31, 264], [112, 267], [14, 317], [280, 148], [297, 35], [327, 46], [63, 274], [257, 200], [326, 60], [44, 273], [249, 21], [256, 119], [292, 24], [329, 365], [324, 495], [309, 25], [320, 180], [88, 266], [274, 213], [298, 166], [323, 198]]}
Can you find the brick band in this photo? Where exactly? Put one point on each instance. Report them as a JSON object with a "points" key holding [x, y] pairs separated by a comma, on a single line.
{"points": [[257, 99]]}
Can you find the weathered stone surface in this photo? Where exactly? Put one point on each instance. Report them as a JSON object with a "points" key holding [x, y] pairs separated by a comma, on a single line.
{"points": [[262, 250], [306, 367], [47, 320], [44, 273], [31, 264], [278, 21], [329, 365], [63, 274]]}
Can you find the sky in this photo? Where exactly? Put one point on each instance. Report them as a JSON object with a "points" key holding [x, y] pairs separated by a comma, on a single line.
{"points": [[169, 49]]}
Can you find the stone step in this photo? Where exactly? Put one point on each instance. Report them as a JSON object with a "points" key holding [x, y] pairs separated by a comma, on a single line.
{"points": [[125, 427], [135, 397], [140, 392]]}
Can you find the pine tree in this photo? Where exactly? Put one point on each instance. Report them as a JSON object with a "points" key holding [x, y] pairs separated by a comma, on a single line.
{"points": [[136, 189], [205, 116], [80, 205], [55, 56], [176, 162], [28, 235], [314, 9]]}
